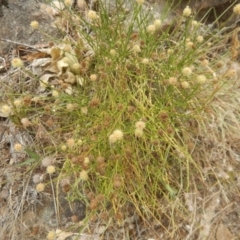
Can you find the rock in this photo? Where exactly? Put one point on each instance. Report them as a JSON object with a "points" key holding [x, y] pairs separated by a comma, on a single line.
{"points": [[15, 23], [211, 10]]}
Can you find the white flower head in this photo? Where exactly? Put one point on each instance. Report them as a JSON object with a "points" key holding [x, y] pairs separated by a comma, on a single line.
{"points": [[187, 11]]}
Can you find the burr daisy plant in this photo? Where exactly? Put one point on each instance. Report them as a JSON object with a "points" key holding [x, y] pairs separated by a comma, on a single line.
{"points": [[121, 107]]}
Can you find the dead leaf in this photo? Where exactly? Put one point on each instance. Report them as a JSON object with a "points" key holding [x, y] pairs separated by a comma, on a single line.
{"points": [[38, 64], [55, 53], [44, 79], [61, 235], [35, 55], [223, 233]]}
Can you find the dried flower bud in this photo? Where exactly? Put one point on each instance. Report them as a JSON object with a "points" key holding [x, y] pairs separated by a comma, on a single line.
{"points": [[17, 63], [34, 24], [187, 11], [40, 187], [51, 169]]}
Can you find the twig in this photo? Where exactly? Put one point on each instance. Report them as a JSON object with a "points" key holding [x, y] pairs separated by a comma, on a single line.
{"points": [[54, 201], [18, 43]]}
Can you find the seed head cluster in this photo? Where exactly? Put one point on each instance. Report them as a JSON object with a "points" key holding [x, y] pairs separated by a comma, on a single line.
{"points": [[139, 127], [40, 187], [51, 169], [187, 11], [6, 110], [187, 71], [18, 147], [117, 135], [34, 24], [84, 175], [17, 63], [236, 9]]}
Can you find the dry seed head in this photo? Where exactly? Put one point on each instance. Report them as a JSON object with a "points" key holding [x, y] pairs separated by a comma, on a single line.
{"points": [[113, 52], [84, 175], [205, 62], [76, 67], [172, 81], [145, 61], [86, 160], [117, 181], [187, 71], [131, 109], [65, 184], [140, 125], [151, 29], [140, 2], [51, 44], [51, 169], [189, 44], [201, 79], [70, 107], [51, 235], [40, 187], [18, 103], [37, 178], [47, 161], [93, 204], [68, 2], [92, 15], [157, 23], [18, 147], [231, 73], [17, 62], [200, 39], [138, 132], [93, 77], [70, 142], [118, 134], [195, 23], [117, 184], [170, 130], [236, 9], [25, 122], [64, 181], [55, 93], [163, 116], [6, 110], [154, 56], [220, 64], [115, 136], [94, 102], [112, 139], [64, 147], [81, 4], [100, 159], [136, 48], [34, 24], [187, 11], [185, 85]]}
